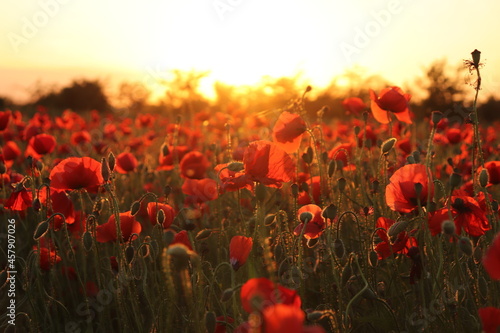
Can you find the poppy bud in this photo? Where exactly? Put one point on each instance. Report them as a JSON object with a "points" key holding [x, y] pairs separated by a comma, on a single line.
{"points": [[203, 234], [305, 217], [315, 315], [373, 258], [129, 253], [357, 130], [41, 229], [312, 242], [341, 183], [236, 166], [160, 216], [295, 190], [387, 145], [455, 180], [436, 117], [88, 241], [111, 161], [210, 321], [105, 170], [331, 168], [304, 187], [410, 159], [369, 294], [397, 227], [448, 227], [465, 245], [330, 212], [338, 248], [134, 209], [3, 169], [269, 219], [494, 205], [309, 88], [476, 57], [36, 205], [484, 178], [227, 294], [307, 157]]}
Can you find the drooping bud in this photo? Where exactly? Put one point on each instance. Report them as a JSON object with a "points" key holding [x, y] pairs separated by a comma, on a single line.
{"points": [[160, 216], [227, 294], [203, 234], [373, 258], [88, 241], [387, 145], [341, 182], [295, 190], [129, 254], [135, 207], [41, 229], [330, 212], [307, 157], [315, 315], [484, 178]]}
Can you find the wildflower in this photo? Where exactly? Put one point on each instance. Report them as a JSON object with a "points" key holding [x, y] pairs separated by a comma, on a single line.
{"points": [[401, 193], [490, 319], [194, 165], [125, 163], [75, 173], [107, 232], [268, 164], [40, 145], [353, 105], [239, 249], [199, 190], [259, 293], [314, 227], [392, 100], [491, 260], [288, 130]]}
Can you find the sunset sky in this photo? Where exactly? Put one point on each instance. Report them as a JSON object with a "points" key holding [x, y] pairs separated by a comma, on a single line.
{"points": [[239, 41]]}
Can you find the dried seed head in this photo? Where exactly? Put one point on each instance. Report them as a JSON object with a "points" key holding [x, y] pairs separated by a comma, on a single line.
{"points": [[476, 57]]}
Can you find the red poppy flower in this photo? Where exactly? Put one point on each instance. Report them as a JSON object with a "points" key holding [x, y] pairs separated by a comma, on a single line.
{"points": [[4, 119], [48, 257], [80, 137], [342, 153], [283, 318], [107, 232], [314, 192], [75, 173], [392, 100], [153, 208], [315, 227], [468, 215], [267, 293], [11, 152], [491, 260], [199, 190], [20, 199], [353, 105], [490, 319], [288, 130], [268, 164], [125, 163], [454, 135], [166, 162], [182, 237], [40, 145], [232, 180], [493, 171], [239, 249], [61, 203], [194, 165], [400, 194], [401, 243]]}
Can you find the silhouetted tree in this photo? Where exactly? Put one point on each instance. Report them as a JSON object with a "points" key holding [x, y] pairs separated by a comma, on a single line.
{"points": [[81, 95]]}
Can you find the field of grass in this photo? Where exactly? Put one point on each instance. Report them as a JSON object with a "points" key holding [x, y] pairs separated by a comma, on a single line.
{"points": [[236, 221]]}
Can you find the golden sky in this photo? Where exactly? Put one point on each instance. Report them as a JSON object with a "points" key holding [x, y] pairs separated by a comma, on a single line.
{"points": [[239, 41]]}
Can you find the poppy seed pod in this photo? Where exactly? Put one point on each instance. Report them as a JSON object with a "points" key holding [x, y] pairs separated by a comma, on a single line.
{"points": [[465, 245], [305, 217], [484, 178]]}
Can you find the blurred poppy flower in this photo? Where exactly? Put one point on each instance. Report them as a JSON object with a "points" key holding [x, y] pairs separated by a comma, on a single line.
{"points": [[169, 155], [315, 227], [4, 119], [239, 249], [153, 209], [268, 164], [493, 171], [11, 152], [81, 137], [125, 163], [48, 256], [342, 152], [490, 319], [392, 100], [491, 260], [75, 173], [264, 292], [283, 318], [182, 238], [20, 199], [288, 130], [199, 190], [107, 232], [400, 243], [354, 105], [194, 165], [40, 145], [401, 193]]}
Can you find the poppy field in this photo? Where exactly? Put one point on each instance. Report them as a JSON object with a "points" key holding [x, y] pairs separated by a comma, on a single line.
{"points": [[233, 221]]}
